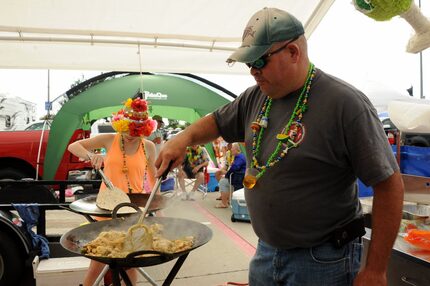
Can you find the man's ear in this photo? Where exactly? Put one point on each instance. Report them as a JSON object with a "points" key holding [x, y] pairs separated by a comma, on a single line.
{"points": [[295, 52]]}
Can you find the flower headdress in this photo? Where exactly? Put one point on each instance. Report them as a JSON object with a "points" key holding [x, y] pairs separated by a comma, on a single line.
{"points": [[133, 118]]}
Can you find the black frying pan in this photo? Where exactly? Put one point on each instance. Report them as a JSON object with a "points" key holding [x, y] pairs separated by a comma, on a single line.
{"points": [[87, 205], [173, 228]]}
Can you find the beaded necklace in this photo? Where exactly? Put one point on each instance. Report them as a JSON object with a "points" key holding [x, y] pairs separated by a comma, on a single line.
{"points": [[124, 163], [287, 137]]}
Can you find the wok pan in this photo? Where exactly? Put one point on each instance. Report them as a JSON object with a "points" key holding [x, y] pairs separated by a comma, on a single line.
{"points": [[173, 228], [87, 205]]}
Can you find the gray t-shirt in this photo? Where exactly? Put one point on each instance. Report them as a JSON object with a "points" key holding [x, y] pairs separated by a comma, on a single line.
{"points": [[300, 200]]}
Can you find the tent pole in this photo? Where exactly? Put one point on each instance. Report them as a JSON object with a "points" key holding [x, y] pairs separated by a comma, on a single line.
{"points": [[93, 41]]}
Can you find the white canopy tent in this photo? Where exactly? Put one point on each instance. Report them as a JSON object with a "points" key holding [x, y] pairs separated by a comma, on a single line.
{"points": [[193, 36]]}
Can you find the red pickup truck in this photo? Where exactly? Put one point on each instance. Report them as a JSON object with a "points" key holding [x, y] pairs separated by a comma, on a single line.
{"points": [[19, 152]]}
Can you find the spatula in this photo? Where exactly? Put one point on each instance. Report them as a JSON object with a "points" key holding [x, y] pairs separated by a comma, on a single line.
{"points": [[109, 198], [138, 236]]}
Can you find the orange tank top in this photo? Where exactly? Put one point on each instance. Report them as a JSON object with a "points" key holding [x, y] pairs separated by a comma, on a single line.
{"points": [[136, 165]]}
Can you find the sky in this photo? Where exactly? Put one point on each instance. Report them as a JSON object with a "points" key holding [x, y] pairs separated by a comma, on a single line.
{"points": [[360, 50], [368, 54]]}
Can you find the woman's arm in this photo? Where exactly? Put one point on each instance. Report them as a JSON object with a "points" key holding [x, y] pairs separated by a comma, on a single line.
{"points": [[84, 148]]}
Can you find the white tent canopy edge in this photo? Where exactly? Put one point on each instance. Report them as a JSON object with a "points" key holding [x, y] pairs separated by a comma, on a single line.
{"points": [[172, 36]]}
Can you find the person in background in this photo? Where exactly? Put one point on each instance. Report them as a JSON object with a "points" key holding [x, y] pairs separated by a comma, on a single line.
{"points": [[196, 160], [216, 145], [157, 136], [220, 148], [219, 174], [308, 137], [233, 178], [129, 161]]}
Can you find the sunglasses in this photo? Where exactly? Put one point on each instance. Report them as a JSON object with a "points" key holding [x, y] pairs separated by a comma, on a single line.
{"points": [[262, 61]]}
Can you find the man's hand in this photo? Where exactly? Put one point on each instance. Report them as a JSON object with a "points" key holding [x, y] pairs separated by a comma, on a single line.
{"points": [[195, 170], [172, 151], [365, 278]]}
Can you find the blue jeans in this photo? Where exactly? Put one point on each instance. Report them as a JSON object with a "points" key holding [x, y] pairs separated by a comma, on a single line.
{"points": [[322, 265]]}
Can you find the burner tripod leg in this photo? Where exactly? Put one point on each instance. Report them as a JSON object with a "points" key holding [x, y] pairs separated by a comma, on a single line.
{"points": [[115, 276], [125, 277], [175, 269]]}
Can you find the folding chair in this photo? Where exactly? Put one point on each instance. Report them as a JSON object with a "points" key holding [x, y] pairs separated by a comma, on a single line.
{"points": [[203, 188], [233, 188]]}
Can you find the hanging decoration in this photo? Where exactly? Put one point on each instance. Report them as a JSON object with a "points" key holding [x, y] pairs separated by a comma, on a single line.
{"points": [[140, 72], [384, 10]]}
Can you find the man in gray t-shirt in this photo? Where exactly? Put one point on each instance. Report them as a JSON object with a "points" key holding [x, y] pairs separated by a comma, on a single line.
{"points": [[342, 139], [308, 137]]}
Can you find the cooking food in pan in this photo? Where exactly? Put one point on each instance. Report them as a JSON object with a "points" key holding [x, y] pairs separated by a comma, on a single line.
{"points": [[173, 228], [115, 244]]}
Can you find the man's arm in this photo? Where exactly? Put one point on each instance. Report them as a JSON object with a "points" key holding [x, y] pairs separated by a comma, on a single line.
{"points": [[202, 131], [386, 217]]}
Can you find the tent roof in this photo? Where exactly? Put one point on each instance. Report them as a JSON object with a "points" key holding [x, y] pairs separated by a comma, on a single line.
{"points": [[193, 36]]}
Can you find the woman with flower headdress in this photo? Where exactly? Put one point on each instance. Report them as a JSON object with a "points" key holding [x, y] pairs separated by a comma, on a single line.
{"points": [[129, 161]]}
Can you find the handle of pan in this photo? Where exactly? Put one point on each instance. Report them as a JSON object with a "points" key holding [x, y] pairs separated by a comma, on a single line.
{"points": [[121, 205], [105, 179], [136, 254], [154, 190]]}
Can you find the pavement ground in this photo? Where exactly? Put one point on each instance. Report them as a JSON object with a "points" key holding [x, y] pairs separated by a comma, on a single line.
{"points": [[225, 258]]}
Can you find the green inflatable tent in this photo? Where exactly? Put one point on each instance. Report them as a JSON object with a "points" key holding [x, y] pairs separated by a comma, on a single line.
{"points": [[174, 96]]}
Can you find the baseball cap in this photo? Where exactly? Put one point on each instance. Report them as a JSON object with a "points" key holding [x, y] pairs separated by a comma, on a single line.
{"points": [[266, 27]]}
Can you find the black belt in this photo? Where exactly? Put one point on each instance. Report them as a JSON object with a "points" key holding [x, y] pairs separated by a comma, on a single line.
{"points": [[348, 232]]}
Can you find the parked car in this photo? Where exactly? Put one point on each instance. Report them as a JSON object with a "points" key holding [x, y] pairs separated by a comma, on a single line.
{"points": [[39, 125], [407, 138], [19, 152], [101, 126]]}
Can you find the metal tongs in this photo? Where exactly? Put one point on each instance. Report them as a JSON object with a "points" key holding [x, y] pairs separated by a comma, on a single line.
{"points": [[138, 236]]}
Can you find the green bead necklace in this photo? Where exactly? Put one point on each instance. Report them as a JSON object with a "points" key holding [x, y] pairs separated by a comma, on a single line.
{"points": [[287, 137]]}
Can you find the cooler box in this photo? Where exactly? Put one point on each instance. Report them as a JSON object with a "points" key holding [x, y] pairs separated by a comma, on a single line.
{"points": [[238, 206], [65, 271], [212, 183]]}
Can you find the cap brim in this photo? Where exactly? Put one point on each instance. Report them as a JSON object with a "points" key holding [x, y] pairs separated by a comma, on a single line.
{"points": [[248, 54]]}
